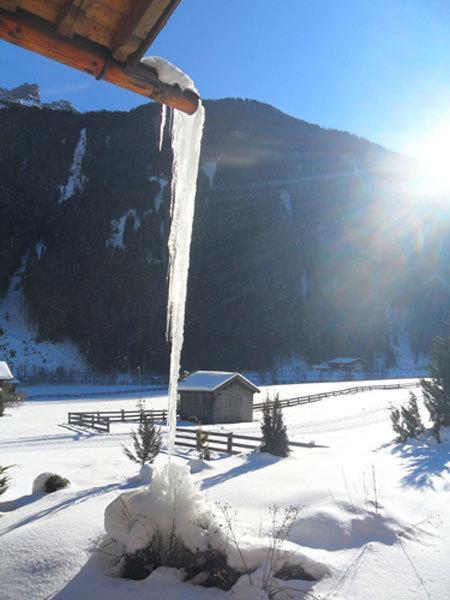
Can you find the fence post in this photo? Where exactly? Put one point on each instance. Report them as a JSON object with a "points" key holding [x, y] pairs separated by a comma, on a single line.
{"points": [[164, 416], [107, 424], [92, 421], [230, 443], [141, 416], [98, 416], [123, 415]]}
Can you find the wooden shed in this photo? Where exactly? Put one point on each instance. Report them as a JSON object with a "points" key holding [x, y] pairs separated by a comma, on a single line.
{"points": [[216, 397], [104, 38]]}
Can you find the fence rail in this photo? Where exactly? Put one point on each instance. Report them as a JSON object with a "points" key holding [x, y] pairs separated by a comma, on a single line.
{"points": [[351, 390], [105, 393], [101, 420], [229, 442]]}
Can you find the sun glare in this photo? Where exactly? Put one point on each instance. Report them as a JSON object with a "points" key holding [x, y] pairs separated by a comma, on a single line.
{"points": [[433, 154]]}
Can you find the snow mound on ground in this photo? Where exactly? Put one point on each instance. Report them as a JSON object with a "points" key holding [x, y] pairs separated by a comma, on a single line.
{"points": [[339, 527], [39, 482], [171, 503], [198, 464]]}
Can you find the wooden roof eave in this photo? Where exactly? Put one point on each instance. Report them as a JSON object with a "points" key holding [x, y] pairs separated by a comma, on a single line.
{"points": [[38, 35]]}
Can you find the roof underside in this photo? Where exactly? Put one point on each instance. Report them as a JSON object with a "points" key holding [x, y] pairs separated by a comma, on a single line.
{"points": [[211, 381], [114, 33]]}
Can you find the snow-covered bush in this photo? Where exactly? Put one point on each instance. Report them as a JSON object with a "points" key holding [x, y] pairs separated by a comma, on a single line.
{"points": [[5, 479], [49, 482], [147, 442], [274, 435], [406, 422], [168, 524]]}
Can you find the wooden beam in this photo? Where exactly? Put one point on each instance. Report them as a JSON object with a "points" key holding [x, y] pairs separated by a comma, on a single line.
{"points": [[35, 34]]}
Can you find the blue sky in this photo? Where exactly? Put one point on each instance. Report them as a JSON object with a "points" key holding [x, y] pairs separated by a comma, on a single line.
{"points": [[378, 69]]}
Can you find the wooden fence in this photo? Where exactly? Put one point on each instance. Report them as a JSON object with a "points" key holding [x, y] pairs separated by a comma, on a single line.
{"points": [[101, 420], [230, 442], [102, 393], [351, 390]]}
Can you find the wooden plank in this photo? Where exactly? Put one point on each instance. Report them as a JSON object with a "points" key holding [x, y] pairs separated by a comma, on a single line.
{"points": [[68, 14], [154, 29], [119, 45], [35, 34]]}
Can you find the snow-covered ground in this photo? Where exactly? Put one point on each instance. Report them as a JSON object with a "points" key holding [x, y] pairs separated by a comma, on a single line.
{"points": [[399, 550]]}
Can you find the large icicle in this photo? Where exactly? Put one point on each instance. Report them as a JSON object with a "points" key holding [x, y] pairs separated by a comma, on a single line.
{"points": [[186, 142], [162, 125], [187, 131]]}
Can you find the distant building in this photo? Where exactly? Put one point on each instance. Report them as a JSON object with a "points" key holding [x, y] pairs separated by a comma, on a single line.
{"points": [[216, 397], [7, 380], [348, 364]]}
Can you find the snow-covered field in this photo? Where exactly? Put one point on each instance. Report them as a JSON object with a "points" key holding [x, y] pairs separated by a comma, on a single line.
{"points": [[400, 550]]}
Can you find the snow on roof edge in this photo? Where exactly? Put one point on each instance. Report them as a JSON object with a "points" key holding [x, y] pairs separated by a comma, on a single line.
{"points": [[210, 381], [5, 371]]}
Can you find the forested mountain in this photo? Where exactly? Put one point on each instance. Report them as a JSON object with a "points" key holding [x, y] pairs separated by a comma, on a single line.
{"points": [[307, 242]]}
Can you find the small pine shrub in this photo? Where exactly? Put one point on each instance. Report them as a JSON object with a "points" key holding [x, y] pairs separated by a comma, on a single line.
{"points": [[202, 444], [397, 426], [275, 440], [406, 422], [147, 442], [55, 482], [5, 479], [436, 391]]}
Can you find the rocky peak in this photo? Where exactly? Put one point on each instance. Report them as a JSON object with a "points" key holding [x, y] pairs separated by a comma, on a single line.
{"points": [[28, 94]]}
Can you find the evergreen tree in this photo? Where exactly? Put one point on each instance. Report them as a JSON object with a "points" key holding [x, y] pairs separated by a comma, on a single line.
{"points": [[275, 440], [397, 426], [436, 391], [406, 422], [411, 418], [146, 441]]}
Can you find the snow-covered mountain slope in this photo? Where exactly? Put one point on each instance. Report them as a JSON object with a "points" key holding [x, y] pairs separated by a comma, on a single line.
{"points": [[21, 346], [305, 245]]}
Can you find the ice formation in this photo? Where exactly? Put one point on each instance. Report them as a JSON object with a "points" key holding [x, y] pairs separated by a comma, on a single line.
{"points": [[171, 504], [187, 131], [162, 125]]}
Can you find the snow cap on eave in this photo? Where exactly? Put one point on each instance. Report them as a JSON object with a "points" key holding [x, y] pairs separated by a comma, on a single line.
{"points": [[211, 381], [5, 372]]}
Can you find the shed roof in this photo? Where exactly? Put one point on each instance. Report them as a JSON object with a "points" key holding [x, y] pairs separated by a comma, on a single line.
{"points": [[5, 371], [211, 381]]}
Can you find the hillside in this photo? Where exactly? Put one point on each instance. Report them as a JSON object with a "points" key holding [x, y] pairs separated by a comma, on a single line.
{"points": [[307, 242]]}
